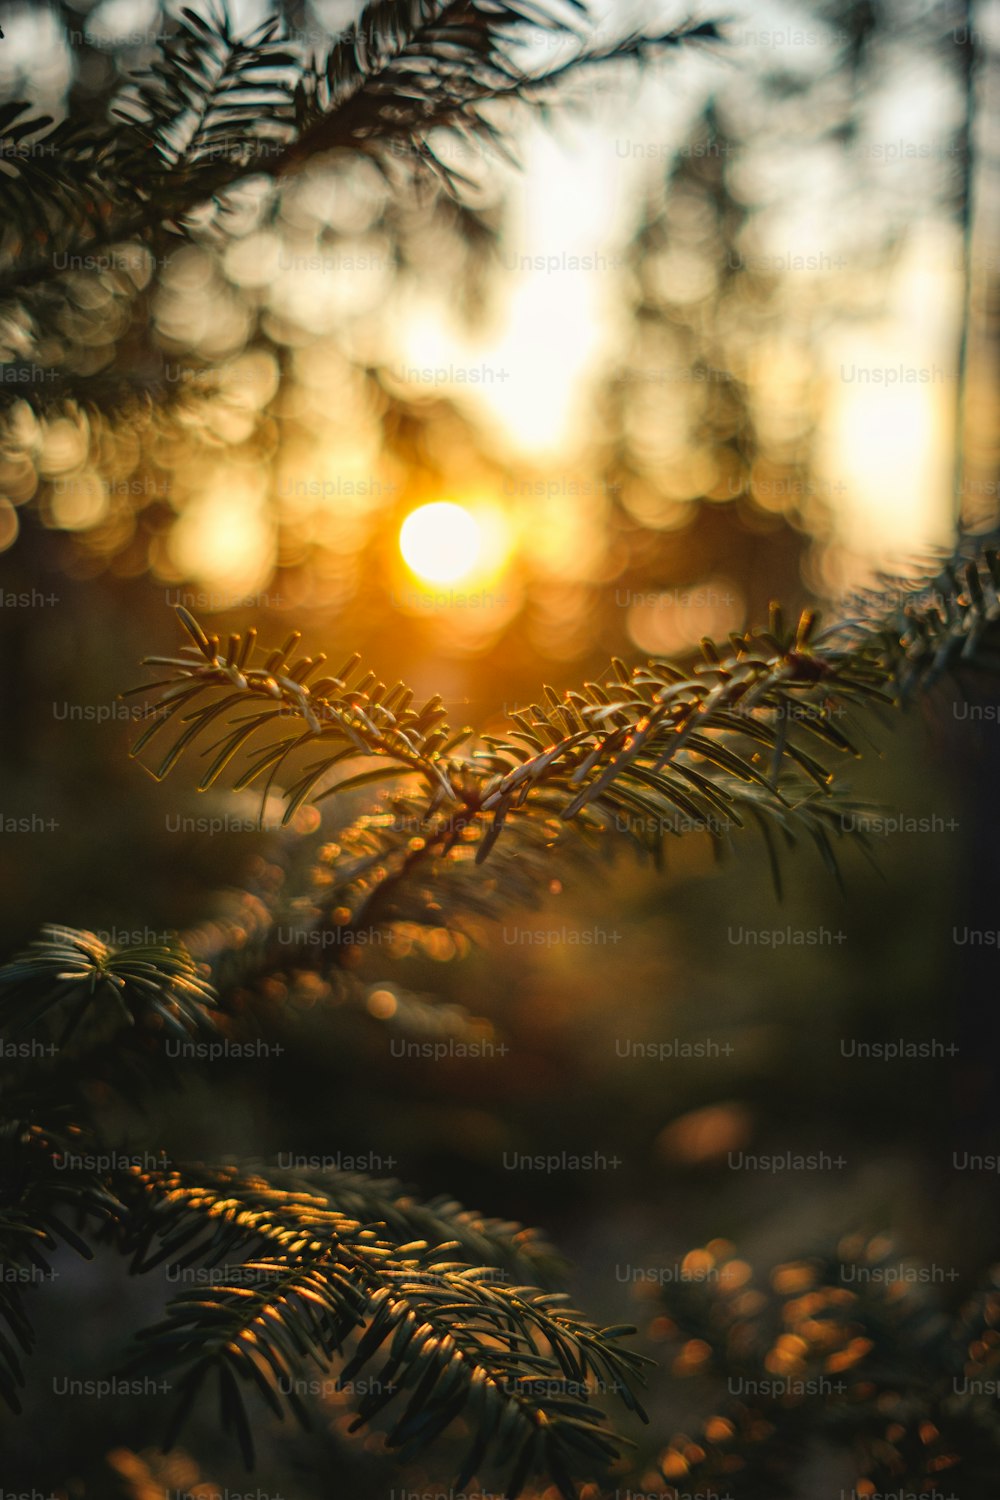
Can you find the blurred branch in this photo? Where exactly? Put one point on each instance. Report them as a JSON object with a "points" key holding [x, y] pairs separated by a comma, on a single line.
{"points": [[218, 107], [851, 1349], [40, 1182]]}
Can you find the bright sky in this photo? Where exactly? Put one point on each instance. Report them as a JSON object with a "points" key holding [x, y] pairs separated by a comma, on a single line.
{"points": [[885, 441]]}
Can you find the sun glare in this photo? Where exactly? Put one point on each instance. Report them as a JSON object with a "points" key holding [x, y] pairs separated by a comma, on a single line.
{"points": [[441, 542]]}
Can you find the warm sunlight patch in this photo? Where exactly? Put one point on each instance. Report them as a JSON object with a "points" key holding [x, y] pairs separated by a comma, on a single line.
{"points": [[441, 542]]}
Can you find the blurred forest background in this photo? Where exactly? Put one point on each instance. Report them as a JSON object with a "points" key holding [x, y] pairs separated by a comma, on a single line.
{"points": [[645, 360]]}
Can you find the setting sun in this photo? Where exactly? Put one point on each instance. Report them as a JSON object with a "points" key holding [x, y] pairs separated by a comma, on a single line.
{"points": [[441, 542]]}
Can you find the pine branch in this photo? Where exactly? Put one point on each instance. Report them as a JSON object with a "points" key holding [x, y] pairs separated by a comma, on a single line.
{"points": [[67, 977], [394, 872], [218, 108], [318, 1268], [462, 1342], [60, 1051], [613, 737], [365, 719], [80, 1018], [383, 882], [48, 177], [737, 738], [39, 1182], [523, 1253], [944, 621], [747, 738], [766, 682], [213, 95], [402, 864]]}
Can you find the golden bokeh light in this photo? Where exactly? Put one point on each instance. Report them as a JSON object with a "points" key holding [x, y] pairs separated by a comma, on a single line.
{"points": [[666, 622], [224, 542], [441, 542], [9, 524]]}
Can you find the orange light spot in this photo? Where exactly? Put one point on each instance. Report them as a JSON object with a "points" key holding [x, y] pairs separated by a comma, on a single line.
{"points": [[382, 1004], [673, 1464], [694, 1356], [797, 1277]]}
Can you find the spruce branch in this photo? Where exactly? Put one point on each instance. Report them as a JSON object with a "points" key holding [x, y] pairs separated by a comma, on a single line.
{"points": [[219, 107], [614, 738], [394, 878], [451, 1337], [364, 719], [944, 620], [41, 1183], [739, 735], [223, 1208], [780, 689], [523, 1253], [753, 735], [66, 977], [79, 1016], [213, 95], [332, 1271]]}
